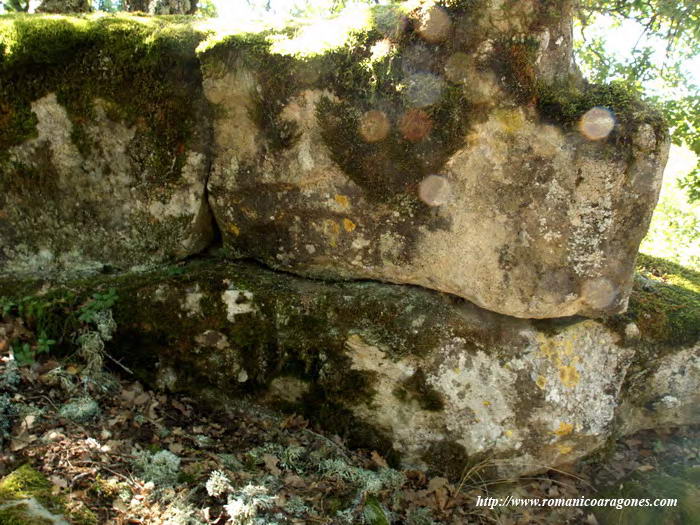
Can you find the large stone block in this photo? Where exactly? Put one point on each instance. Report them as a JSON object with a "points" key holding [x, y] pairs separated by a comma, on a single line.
{"points": [[454, 148], [424, 378], [104, 135]]}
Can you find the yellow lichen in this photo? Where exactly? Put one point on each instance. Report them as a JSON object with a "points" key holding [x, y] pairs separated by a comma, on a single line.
{"points": [[564, 429], [349, 225], [541, 382], [342, 200], [569, 376], [564, 449]]}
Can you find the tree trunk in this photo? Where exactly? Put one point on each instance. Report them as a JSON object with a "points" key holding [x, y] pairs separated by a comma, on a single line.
{"points": [[64, 6], [163, 7], [136, 5]]}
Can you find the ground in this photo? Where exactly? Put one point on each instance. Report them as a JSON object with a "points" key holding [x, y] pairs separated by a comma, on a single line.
{"points": [[110, 451]]}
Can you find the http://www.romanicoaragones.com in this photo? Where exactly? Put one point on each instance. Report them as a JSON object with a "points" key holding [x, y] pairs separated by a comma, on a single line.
{"points": [[618, 503]]}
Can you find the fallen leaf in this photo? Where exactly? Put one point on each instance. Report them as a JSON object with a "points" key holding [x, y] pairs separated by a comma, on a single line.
{"points": [[379, 460], [271, 464], [59, 482], [294, 481], [437, 483], [176, 448], [142, 398], [120, 505]]}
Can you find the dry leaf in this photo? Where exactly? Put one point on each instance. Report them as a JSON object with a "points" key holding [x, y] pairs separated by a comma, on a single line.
{"points": [[120, 505], [176, 448], [379, 460], [142, 399], [294, 481], [59, 482], [271, 464], [437, 483]]}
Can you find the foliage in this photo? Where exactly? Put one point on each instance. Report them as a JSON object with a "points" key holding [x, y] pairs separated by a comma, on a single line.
{"points": [[674, 232], [25, 354], [12, 6], [100, 302], [670, 37]]}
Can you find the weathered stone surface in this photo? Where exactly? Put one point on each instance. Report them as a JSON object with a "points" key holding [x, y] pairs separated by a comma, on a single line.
{"points": [[95, 172], [451, 148], [665, 393], [422, 377]]}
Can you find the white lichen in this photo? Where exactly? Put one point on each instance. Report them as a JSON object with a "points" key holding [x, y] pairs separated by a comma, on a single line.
{"points": [[161, 468]]}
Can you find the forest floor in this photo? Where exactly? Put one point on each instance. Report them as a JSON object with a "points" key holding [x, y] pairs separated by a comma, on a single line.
{"points": [[112, 451]]}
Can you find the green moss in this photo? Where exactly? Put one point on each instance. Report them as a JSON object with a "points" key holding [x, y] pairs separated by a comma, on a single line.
{"points": [[566, 102], [653, 486], [447, 458], [20, 515], [145, 68], [665, 303], [298, 328], [514, 61], [26, 482]]}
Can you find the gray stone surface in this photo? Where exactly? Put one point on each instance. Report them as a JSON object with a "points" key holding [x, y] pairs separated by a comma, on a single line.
{"points": [[448, 167], [419, 376], [65, 211]]}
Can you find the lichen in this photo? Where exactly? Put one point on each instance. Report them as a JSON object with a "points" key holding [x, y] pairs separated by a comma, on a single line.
{"points": [[161, 468], [80, 410]]}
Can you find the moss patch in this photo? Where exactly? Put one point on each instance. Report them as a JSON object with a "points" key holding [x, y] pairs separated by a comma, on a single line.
{"points": [[681, 487], [146, 70], [665, 303], [26, 482], [565, 103]]}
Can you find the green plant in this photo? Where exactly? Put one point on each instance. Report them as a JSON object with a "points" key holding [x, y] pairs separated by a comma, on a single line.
{"points": [[25, 354], [100, 302], [6, 305], [44, 344]]}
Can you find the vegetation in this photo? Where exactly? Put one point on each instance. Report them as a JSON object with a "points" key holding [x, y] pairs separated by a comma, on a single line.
{"points": [[666, 302], [661, 61]]}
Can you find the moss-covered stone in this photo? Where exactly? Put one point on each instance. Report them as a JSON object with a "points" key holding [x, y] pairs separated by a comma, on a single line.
{"points": [[392, 368], [326, 155], [38, 503], [665, 304], [105, 112]]}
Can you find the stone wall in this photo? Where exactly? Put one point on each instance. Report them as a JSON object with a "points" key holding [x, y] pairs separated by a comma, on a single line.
{"points": [[451, 146]]}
